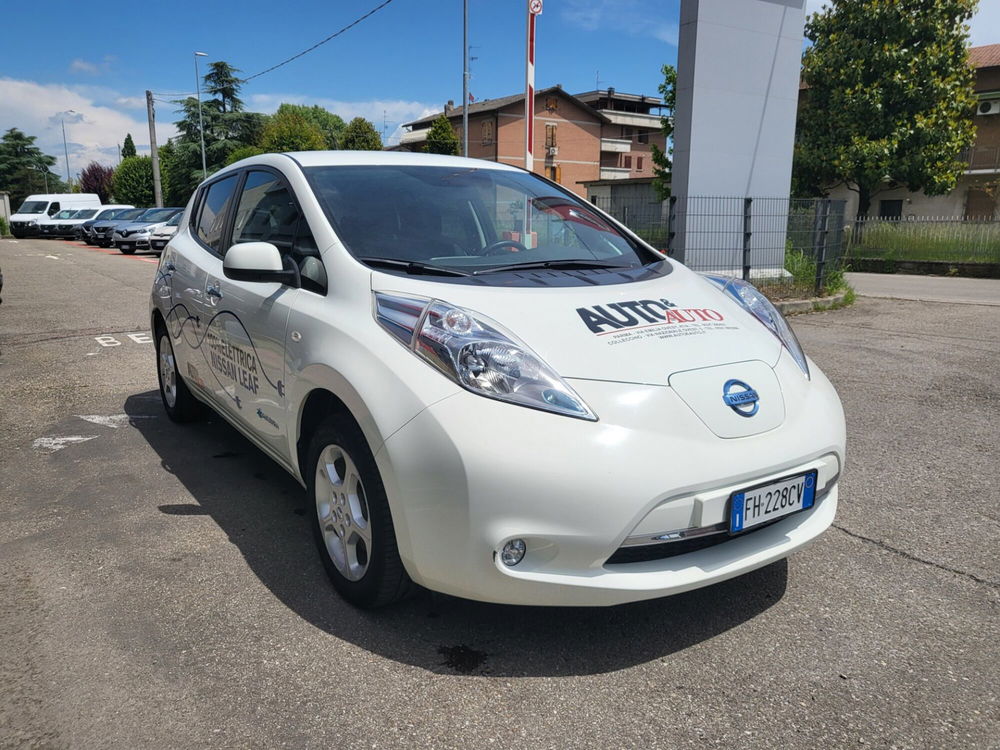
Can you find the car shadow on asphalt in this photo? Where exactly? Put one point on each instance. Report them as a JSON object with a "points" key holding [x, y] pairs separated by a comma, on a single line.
{"points": [[264, 513]]}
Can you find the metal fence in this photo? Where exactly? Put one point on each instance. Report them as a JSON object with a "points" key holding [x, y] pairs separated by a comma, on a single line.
{"points": [[926, 238], [786, 247]]}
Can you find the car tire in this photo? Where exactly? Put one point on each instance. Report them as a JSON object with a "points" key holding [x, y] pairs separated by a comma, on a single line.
{"points": [[178, 401], [126, 250], [350, 515]]}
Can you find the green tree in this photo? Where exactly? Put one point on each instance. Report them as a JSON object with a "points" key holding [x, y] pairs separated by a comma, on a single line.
{"points": [[243, 152], [223, 85], [662, 161], [890, 97], [290, 131], [96, 178], [128, 148], [329, 124], [441, 139], [24, 169], [133, 181], [361, 135]]}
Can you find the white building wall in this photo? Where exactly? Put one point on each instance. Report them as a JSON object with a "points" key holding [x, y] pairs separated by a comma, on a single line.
{"points": [[737, 95], [914, 204]]}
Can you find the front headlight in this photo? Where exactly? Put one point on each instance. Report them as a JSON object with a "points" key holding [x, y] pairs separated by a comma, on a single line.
{"points": [[761, 308], [477, 354]]}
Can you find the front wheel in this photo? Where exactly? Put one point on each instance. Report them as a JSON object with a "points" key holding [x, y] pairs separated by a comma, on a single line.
{"points": [[352, 524], [126, 250], [178, 401]]}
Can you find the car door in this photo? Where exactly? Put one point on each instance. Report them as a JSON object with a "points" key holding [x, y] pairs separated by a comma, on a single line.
{"points": [[252, 317], [181, 279]]}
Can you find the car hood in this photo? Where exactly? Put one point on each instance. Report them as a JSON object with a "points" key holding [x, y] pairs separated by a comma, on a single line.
{"points": [[133, 226], [639, 332], [164, 231]]}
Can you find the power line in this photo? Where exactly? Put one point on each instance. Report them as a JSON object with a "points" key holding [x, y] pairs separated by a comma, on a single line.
{"points": [[351, 25]]}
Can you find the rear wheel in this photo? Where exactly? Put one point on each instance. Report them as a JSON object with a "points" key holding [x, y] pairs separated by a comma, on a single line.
{"points": [[352, 524], [179, 403]]}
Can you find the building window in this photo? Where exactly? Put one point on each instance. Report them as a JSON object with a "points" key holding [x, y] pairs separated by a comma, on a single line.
{"points": [[638, 163], [551, 103], [890, 209], [644, 137], [627, 161], [488, 133], [627, 132], [554, 173], [550, 136]]}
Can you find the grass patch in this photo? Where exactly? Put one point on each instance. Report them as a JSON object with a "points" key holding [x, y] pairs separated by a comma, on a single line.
{"points": [[950, 241]]}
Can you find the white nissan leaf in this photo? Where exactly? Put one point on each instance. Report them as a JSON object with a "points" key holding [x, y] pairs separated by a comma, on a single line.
{"points": [[488, 387]]}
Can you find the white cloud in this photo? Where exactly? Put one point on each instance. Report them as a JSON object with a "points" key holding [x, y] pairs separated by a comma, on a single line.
{"points": [[94, 124], [636, 17], [80, 65], [394, 112]]}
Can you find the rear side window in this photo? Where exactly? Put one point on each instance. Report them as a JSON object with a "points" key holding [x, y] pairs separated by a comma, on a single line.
{"points": [[214, 209], [52, 208]]}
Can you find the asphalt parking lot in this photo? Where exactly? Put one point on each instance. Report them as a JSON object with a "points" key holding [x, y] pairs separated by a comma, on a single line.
{"points": [[160, 587]]}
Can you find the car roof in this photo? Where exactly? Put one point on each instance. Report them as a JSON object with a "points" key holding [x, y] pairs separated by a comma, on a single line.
{"points": [[376, 158]]}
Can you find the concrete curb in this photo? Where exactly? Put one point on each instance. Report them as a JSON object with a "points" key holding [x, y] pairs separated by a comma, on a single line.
{"points": [[815, 304]]}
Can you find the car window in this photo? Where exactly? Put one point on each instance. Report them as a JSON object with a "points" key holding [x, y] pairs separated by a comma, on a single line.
{"points": [[65, 214], [214, 209], [52, 208], [464, 218], [86, 214], [267, 212]]}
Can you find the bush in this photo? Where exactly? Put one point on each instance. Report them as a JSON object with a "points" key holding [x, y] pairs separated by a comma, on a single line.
{"points": [[4, 229], [133, 181]]}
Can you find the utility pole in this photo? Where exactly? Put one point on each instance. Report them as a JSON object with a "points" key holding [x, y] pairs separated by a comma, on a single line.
{"points": [[62, 119], [151, 116], [465, 78], [201, 122], [534, 9]]}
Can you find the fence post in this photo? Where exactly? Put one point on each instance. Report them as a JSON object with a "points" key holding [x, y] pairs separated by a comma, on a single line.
{"points": [[822, 229], [672, 230], [747, 205]]}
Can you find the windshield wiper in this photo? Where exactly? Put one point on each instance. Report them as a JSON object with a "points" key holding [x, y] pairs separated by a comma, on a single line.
{"points": [[567, 264], [413, 266]]}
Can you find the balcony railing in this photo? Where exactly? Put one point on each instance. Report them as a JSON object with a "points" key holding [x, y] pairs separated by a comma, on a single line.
{"points": [[616, 145], [615, 173], [982, 158]]}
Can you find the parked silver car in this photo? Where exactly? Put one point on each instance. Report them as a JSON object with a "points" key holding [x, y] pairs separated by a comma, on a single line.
{"points": [[102, 231], [135, 235], [159, 238]]}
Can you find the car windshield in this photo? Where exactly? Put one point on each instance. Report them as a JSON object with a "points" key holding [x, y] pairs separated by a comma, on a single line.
{"points": [[87, 213], [175, 221], [157, 214], [109, 213], [33, 207], [66, 213], [133, 213], [469, 219]]}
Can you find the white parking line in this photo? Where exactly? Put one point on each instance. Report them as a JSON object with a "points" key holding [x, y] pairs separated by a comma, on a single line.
{"points": [[53, 443]]}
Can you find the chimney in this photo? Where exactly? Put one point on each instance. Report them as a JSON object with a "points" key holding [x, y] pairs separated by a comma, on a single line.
{"points": [[449, 106]]}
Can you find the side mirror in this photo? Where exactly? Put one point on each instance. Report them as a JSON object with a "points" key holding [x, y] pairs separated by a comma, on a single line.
{"points": [[259, 261]]}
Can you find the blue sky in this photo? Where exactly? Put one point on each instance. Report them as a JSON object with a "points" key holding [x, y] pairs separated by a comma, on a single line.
{"points": [[405, 61]]}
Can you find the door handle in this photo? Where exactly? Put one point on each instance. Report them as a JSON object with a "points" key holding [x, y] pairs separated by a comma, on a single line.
{"points": [[213, 291]]}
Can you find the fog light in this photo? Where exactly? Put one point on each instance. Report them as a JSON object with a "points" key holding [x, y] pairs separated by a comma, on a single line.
{"points": [[512, 552]]}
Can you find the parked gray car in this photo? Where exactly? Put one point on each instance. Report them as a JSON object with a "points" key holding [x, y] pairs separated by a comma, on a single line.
{"points": [[134, 235], [102, 231], [85, 231]]}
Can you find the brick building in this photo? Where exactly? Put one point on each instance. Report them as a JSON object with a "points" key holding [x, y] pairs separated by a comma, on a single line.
{"points": [[975, 196], [599, 135]]}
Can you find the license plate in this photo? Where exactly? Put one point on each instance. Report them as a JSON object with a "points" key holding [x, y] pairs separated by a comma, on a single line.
{"points": [[125, 245], [766, 502], [157, 245]]}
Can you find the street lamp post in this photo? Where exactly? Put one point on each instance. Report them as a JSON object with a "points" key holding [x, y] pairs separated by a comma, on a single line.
{"points": [[201, 122], [62, 120]]}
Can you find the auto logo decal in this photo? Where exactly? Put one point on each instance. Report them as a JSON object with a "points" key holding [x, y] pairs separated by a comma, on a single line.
{"points": [[740, 397]]}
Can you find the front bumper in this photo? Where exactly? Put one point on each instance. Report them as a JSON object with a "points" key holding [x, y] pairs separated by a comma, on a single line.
{"points": [[23, 229], [469, 474], [137, 241]]}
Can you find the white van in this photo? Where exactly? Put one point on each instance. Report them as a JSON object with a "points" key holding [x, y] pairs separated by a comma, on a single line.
{"points": [[40, 208]]}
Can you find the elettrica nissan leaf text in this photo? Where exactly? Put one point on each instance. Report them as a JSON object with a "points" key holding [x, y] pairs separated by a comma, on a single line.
{"points": [[487, 386]]}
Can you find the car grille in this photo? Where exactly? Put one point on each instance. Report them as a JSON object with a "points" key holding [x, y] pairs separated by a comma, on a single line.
{"points": [[649, 552]]}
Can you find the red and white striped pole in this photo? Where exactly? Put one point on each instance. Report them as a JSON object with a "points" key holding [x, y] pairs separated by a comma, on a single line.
{"points": [[534, 9]]}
